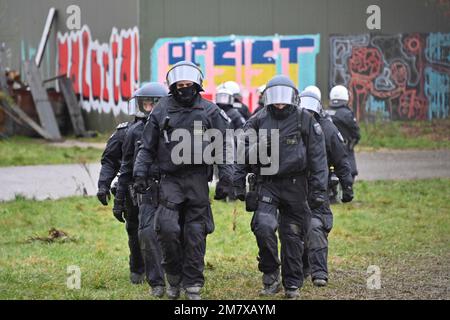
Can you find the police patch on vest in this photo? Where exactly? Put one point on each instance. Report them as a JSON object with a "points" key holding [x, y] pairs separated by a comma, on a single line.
{"points": [[122, 125], [224, 115], [317, 129], [291, 140]]}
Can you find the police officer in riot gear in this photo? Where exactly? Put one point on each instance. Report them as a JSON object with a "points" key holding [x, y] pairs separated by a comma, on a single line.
{"points": [[225, 99], [316, 252], [183, 218], [345, 121], [259, 92], [141, 105], [111, 162], [302, 166], [237, 104]]}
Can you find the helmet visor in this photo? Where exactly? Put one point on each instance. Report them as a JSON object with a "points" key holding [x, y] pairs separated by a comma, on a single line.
{"points": [[186, 73], [223, 98], [142, 106], [279, 95], [310, 103]]}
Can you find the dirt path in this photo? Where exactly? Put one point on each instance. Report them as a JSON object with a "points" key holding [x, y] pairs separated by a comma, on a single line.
{"points": [[57, 181]]}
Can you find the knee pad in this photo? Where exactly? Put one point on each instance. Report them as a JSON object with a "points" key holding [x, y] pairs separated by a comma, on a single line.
{"points": [[264, 224], [292, 230]]}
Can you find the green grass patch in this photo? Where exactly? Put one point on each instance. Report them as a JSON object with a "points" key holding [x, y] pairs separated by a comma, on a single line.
{"points": [[405, 135], [403, 227], [20, 151]]}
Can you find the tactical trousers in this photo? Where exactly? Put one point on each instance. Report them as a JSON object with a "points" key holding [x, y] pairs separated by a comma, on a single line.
{"points": [[150, 248], [352, 160], [183, 220], [131, 225], [288, 195], [316, 251]]}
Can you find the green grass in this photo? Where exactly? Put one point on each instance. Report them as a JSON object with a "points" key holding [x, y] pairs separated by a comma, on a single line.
{"points": [[20, 151], [403, 227], [405, 135]]}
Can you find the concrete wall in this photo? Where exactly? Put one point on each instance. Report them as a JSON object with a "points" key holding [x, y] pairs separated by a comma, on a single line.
{"points": [[214, 18], [22, 22]]}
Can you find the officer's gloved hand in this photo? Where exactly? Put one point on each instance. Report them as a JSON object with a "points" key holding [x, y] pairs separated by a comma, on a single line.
{"points": [[240, 192], [103, 195], [347, 193], [140, 184], [316, 201], [119, 209], [222, 189]]}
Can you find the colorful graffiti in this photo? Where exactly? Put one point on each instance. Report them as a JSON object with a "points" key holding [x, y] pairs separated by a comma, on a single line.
{"points": [[248, 60], [402, 76], [104, 75]]}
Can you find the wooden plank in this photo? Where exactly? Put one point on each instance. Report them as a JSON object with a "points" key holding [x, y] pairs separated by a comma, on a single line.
{"points": [[41, 101], [23, 116], [65, 85]]}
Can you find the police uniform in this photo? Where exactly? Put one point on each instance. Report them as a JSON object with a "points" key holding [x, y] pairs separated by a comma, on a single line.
{"points": [[144, 222], [183, 218], [243, 109], [224, 187], [111, 163], [345, 121], [322, 218], [301, 150]]}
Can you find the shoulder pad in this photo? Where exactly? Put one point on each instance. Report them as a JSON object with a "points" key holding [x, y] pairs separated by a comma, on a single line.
{"points": [[237, 105], [317, 129], [225, 116], [123, 125]]}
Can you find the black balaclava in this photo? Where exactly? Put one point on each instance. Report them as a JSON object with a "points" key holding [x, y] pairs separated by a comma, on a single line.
{"points": [[281, 114], [225, 107], [186, 95]]}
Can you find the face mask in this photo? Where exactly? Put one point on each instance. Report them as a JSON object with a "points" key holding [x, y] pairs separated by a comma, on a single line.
{"points": [[224, 107], [281, 114], [185, 95]]}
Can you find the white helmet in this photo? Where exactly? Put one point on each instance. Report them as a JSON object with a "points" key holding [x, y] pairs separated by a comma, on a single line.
{"points": [[338, 95], [233, 87], [224, 96], [310, 101], [314, 90], [261, 89]]}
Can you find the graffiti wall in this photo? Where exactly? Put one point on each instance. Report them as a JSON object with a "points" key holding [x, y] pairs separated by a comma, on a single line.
{"points": [[104, 75], [400, 76], [250, 61]]}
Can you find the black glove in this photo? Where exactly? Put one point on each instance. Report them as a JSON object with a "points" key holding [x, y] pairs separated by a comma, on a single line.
{"points": [[316, 201], [347, 193], [239, 192], [119, 210], [222, 189], [140, 184], [103, 195]]}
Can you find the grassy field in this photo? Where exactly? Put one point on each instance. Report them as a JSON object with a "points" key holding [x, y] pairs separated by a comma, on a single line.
{"points": [[402, 227], [21, 151], [405, 135]]}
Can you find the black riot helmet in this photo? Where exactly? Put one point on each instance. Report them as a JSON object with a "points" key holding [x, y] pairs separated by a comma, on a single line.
{"points": [[280, 90], [148, 93]]}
